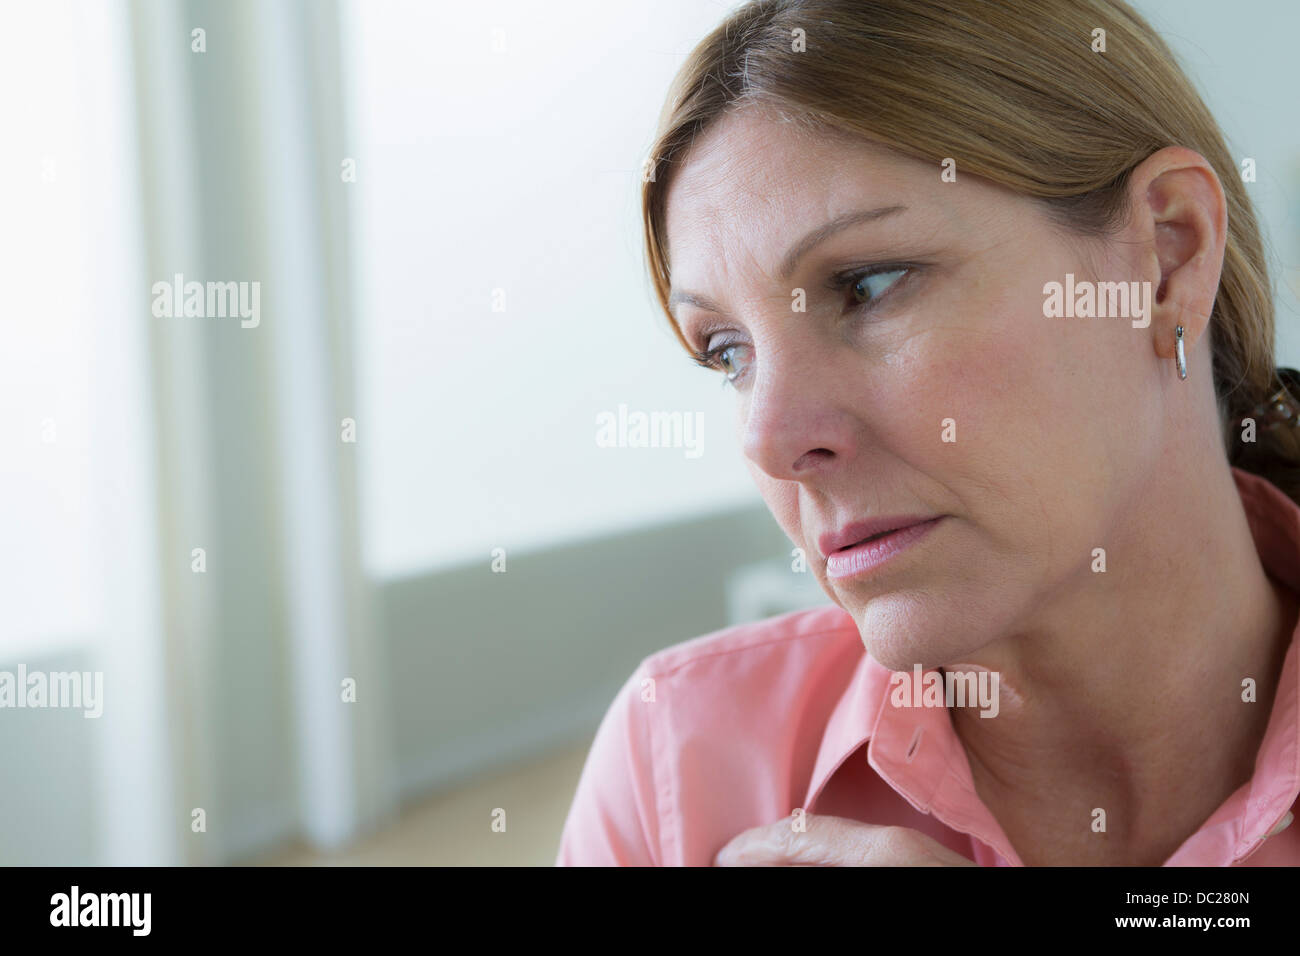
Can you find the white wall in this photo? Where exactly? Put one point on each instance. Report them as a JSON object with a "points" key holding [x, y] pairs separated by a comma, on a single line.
{"points": [[516, 170]]}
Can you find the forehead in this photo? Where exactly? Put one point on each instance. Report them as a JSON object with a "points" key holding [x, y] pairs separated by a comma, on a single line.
{"points": [[755, 180]]}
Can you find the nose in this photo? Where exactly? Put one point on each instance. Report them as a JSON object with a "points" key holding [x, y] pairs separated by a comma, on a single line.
{"points": [[798, 422]]}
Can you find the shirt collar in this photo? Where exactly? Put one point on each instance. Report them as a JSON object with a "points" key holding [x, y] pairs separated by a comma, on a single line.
{"points": [[916, 751]]}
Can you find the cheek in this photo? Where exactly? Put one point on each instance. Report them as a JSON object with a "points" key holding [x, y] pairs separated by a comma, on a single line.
{"points": [[782, 500], [996, 381]]}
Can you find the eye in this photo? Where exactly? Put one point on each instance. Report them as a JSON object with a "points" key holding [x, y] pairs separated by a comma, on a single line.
{"points": [[726, 357], [870, 284], [729, 362]]}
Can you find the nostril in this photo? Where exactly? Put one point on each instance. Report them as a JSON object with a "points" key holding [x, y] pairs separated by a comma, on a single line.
{"points": [[811, 458]]}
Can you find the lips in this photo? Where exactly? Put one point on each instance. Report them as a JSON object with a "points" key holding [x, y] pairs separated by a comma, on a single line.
{"points": [[859, 531], [868, 554]]}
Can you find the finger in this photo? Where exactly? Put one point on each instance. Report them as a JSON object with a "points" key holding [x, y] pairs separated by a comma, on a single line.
{"points": [[835, 841], [842, 842], [816, 841], [757, 846], [1281, 825]]}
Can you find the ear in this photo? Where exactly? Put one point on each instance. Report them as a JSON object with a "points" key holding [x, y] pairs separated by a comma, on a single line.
{"points": [[1180, 215]]}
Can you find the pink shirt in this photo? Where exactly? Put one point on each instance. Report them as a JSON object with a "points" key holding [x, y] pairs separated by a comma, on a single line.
{"points": [[739, 728]]}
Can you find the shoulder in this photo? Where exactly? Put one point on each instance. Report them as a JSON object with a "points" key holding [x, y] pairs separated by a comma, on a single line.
{"points": [[700, 711], [799, 635], [749, 678]]}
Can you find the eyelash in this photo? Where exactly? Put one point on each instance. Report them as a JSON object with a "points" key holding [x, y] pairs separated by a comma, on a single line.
{"points": [[710, 358]]}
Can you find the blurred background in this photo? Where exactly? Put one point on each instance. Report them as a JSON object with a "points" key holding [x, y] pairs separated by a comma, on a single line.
{"points": [[364, 560]]}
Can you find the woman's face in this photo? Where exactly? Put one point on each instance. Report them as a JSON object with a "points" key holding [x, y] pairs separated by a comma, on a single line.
{"points": [[843, 408]]}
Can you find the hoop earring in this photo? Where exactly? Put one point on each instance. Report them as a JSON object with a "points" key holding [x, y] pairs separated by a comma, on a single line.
{"points": [[1179, 355]]}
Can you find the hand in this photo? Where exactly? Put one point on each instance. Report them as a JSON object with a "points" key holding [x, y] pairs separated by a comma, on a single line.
{"points": [[835, 841]]}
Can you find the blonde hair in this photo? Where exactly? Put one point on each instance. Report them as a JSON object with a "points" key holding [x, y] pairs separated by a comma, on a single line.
{"points": [[1018, 95]]}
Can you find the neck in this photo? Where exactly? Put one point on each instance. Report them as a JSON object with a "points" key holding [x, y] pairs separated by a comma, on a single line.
{"points": [[1126, 693]]}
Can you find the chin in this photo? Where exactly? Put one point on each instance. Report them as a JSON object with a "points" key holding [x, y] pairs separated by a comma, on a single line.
{"points": [[901, 630]]}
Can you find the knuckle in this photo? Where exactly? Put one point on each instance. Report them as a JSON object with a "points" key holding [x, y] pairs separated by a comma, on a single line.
{"points": [[897, 843], [785, 839]]}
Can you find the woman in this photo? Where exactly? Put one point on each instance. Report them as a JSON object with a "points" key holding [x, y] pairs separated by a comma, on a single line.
{"points": [[993, 300]]}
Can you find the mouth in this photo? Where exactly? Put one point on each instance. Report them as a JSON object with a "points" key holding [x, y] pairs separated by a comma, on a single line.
{"points": [[870, 552], [874, 537]]}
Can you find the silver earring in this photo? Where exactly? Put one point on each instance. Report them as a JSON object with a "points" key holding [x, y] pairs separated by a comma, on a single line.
{"points": [[1179, 354]]}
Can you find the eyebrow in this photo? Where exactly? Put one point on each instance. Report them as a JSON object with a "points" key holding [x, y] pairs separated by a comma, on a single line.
{"points": [[797, 251]]}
